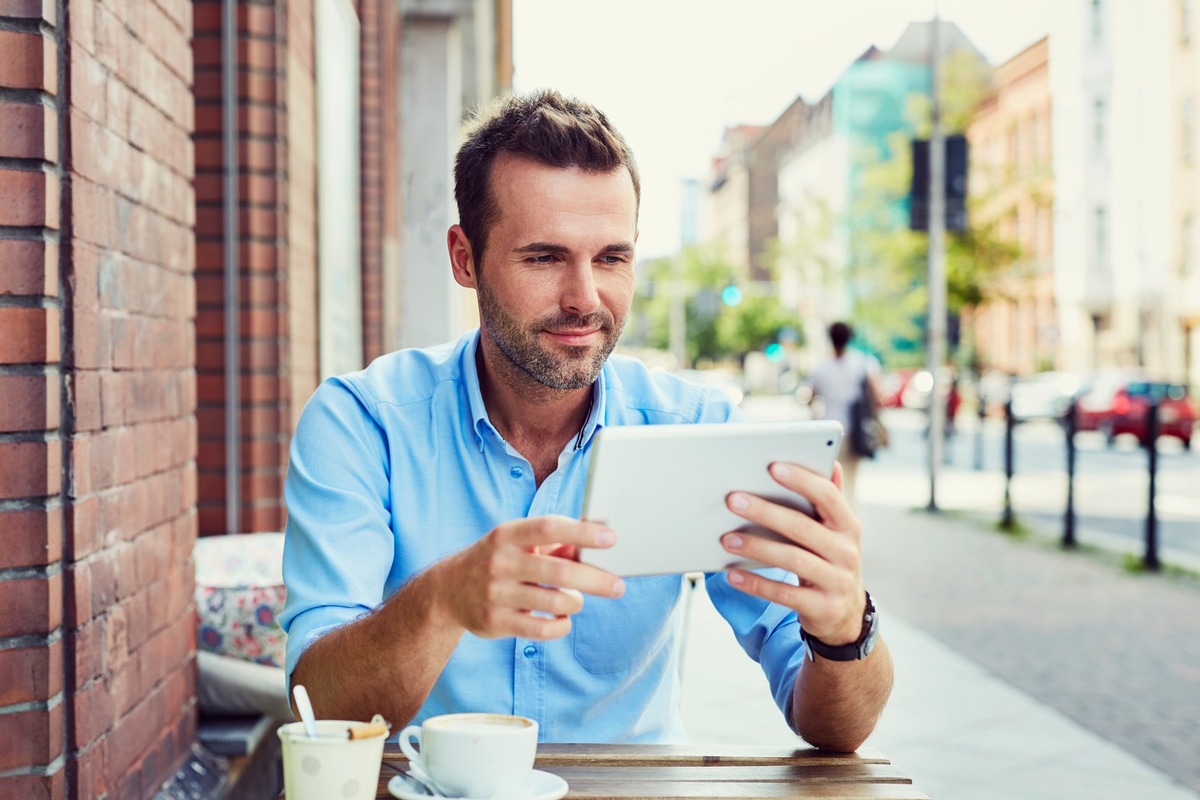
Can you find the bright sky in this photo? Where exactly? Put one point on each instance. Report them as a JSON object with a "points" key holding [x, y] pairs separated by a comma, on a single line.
{"points": [[672, 73]]}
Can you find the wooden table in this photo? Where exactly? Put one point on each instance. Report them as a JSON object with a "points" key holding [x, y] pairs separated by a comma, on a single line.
{"points": [[648, 772]]}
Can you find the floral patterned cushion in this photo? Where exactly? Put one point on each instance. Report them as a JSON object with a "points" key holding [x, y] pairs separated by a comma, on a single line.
{"points": [[239, 592]]}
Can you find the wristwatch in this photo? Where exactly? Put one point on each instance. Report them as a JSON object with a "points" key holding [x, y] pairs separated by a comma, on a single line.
{"points": [[856, 650]]}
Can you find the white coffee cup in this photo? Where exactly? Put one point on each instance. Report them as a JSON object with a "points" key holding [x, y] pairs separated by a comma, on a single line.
{"points": [[331, 765], [477, 756]]}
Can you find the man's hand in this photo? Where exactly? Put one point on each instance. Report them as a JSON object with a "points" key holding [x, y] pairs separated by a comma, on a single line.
{"points": [[522, 579], [823, 552]]}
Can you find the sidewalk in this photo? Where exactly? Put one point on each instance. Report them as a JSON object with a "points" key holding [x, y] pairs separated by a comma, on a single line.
{"points": [[1022, 672]]}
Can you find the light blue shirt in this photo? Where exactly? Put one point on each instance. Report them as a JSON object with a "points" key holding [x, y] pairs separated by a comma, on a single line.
{"points": [[397, 466]]}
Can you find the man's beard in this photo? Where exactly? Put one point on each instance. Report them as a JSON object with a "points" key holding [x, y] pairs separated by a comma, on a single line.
{"points": [[576, 369]]}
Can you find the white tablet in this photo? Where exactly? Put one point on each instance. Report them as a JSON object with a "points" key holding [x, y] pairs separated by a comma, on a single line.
{"points": [[662, 488]]}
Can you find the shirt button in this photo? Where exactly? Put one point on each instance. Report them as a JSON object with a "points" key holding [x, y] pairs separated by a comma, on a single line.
{"points": [[530, 651], [516, 472]]}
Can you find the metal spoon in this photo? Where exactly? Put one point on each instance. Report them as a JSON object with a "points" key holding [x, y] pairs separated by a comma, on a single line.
{"points": [[305, 708]]}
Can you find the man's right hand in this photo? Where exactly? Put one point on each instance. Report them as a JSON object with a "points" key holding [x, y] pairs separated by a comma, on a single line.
{"points": [[494, 587]]}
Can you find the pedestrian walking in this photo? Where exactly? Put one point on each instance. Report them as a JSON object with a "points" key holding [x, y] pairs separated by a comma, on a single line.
{"points": [[845, 387]]}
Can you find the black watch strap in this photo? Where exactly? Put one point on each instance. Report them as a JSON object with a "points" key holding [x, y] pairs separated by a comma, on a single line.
{"points": [[854, 651]]}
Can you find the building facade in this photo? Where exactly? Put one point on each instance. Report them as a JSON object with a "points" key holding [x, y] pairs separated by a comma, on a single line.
{"points": [[1012, 188], [1183, 267], [1112, 144], [205, 208]]}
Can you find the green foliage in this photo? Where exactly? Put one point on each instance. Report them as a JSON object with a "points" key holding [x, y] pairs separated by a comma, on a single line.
{"points": [[714, 331]]}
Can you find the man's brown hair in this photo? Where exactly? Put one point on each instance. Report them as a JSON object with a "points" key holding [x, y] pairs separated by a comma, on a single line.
{"points": [[545, 126]]}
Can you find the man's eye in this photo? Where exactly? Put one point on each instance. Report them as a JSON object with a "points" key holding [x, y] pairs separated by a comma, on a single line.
{"points": [[548, 258], [612, 260]]}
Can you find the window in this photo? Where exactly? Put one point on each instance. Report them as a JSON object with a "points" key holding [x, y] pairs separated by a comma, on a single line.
{"points": [[1101, 236], [1097, 21], [1187, 149], [1098, 122]]}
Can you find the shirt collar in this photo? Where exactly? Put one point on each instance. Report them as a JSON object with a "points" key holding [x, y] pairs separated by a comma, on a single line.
{"points": [[479, 415]]}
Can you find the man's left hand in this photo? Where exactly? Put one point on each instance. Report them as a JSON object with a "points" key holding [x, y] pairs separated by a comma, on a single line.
{"points": [[822, 552]]}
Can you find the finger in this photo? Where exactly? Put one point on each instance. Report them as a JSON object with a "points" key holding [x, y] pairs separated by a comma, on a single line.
{"points": [[839, 476], [804, 600], [796, 526], [807, 566], [565, 574], [555, 529], [523, 625], [827, 499], [543, 599]]}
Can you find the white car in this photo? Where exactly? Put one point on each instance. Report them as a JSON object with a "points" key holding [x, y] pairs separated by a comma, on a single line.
{"points": [[1045, 395]]}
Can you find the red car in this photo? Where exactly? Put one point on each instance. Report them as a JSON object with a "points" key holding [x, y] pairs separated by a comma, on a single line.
{"points": [[1176, 417]]}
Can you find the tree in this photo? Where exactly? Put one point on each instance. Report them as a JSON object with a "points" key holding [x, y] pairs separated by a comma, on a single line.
{"points": [[714, 331]]}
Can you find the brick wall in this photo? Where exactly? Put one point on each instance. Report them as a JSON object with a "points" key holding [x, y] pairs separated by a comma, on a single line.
{"points": [[265, 391], [277, 271], [380, 171], [97, 475]]}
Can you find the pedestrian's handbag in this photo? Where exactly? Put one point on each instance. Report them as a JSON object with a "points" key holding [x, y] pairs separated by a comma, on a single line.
{"points": [[867, 433]]}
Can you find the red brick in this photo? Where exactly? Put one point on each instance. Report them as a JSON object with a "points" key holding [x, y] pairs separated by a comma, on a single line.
{"points": [[31, 738], [53, 784], [90, 774], [84, 529], [30, 469], [92, 336], [85, 399], [33, 605], [93, 709], [28, 61], [30, 537], [30, 674], [28, 198], [31, 335], [89, 653], [29, 402], [28, 131], [28, 9], [30, 267]]}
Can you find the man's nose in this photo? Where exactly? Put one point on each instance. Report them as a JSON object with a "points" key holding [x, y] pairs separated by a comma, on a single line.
{"points": [[579, 294]]}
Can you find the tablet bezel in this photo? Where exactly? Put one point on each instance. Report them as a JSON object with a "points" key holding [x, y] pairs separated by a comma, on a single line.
{"points": [[690, 469]]}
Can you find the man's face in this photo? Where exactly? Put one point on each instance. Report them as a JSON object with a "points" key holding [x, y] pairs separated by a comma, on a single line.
{"points": [[556, 282]]}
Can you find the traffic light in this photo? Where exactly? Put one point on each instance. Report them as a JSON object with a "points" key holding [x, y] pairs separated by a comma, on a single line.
{"points": [[731, 295], [956, 184]]}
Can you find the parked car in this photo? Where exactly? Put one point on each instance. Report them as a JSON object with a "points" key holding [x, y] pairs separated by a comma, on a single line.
{"points": [[1176, 417], [1094, 402], [1046, 395]]}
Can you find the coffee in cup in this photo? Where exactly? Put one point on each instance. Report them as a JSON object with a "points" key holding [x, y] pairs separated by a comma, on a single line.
{"points": [[476, 756]]}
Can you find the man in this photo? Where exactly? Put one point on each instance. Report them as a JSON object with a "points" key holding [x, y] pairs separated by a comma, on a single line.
{"points": [[837, 384], [434, 497]]}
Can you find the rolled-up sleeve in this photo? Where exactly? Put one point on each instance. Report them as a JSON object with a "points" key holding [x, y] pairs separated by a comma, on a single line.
{"points": [[340, 546]]}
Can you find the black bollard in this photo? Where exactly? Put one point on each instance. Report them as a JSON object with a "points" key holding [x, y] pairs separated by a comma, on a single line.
{"points": [[1006, 522], [1151, 559], [1069, 519], [982, 411]]}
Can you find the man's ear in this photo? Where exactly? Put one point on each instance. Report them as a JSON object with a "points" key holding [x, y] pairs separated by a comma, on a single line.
{"points": [[462, 257]]}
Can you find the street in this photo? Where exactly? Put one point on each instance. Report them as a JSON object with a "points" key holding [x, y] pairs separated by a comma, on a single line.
{"points": [[1111, 484]]}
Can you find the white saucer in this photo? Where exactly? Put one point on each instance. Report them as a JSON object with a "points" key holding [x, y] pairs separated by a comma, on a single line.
{"points": [[542, 786]]}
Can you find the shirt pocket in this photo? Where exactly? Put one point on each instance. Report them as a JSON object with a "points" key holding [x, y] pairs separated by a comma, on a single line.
{"points": [[620, 635]]}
